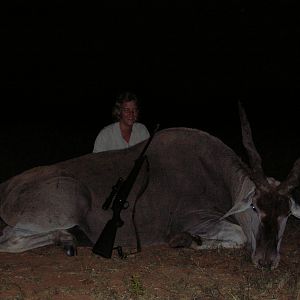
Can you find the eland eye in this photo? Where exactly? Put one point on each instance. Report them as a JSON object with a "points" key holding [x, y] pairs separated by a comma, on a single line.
{"points": [[253, 207]]}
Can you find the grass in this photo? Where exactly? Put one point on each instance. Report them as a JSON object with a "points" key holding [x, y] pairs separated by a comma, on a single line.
{"points": [[136, 287]]}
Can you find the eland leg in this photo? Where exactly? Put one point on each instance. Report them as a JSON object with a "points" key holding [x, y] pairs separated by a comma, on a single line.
{"points": [[183, 239], [16, 240], [225, 235], [205, 230]]}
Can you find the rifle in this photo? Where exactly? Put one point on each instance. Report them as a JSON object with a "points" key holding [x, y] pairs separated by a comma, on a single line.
{"points": [[118, 197]]}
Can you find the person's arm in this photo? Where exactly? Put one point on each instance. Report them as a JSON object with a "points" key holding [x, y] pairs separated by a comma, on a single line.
{"points": [[144, 132], [100, 143]]}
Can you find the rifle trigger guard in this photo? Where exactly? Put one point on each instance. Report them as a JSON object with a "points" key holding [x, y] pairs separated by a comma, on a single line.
{"points": [[125, 205]]}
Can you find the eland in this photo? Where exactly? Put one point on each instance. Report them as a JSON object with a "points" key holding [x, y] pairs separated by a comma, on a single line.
{"points": [[192, 191]]}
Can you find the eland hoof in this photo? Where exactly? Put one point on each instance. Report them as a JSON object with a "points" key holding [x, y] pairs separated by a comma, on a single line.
{"points": [[181, 239], [70, 250]]}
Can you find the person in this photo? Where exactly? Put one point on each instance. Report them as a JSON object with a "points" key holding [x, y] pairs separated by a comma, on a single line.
{"points": [[125, 131]]}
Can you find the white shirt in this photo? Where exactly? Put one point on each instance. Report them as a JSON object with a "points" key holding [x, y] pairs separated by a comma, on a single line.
{"points": [[110, 137]]}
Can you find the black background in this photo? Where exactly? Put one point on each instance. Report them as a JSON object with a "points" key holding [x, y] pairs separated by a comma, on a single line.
{"points": [[63, 65]]}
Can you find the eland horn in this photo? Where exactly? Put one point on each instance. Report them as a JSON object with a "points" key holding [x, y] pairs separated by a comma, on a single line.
{"points": [[292, 181], [255, 162]]}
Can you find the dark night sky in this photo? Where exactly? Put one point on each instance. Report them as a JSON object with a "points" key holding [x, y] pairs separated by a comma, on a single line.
{"points": [[62, 65]]}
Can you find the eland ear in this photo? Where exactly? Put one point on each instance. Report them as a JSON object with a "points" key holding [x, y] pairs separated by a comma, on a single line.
{"points": [[241, 205], [295, 208]]}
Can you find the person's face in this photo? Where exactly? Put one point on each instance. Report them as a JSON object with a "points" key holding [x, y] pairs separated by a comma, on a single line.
{"points": [[129, 113]]}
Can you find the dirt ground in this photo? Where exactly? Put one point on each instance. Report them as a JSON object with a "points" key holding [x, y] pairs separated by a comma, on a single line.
{"points": [[154, 273]]}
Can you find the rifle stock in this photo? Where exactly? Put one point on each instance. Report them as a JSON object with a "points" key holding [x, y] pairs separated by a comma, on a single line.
{"points": [[105, 243]]}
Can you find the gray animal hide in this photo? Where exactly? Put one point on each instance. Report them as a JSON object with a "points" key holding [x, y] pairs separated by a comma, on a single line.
{"points": [[192, 179]]}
